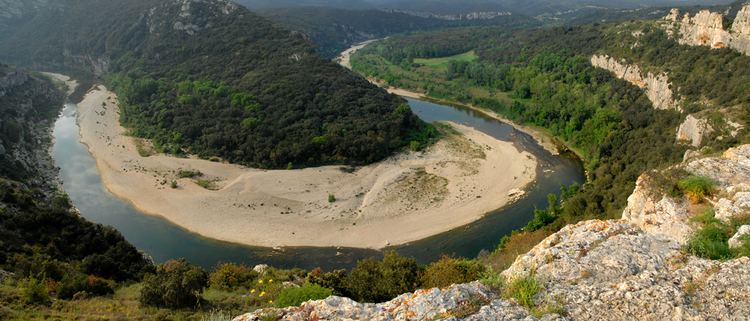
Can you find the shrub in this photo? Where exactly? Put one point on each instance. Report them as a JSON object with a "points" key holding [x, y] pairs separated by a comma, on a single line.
{"points": [[493, 280], [34, 290], [332, 280], [176, 284], [376, 281], [696, 187], [295, 296], [744, 248], [449, 271], [331, 198], [523, 290], [228, 276], [75, 282], [189, 174], [710, 242]]}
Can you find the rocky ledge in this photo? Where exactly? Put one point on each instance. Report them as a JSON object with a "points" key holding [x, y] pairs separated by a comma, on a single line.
{"points": [[706, 28], [634, 268], [658, 87]]}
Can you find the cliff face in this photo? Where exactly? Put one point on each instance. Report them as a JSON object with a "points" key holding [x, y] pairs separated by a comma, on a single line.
{"points": [[657, 87], [693, 130], [706, 28], [628, 269]]}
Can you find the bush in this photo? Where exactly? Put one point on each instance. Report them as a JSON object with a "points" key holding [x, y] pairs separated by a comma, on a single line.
{"points": [[176, 284], [523, 290], [696, 187], [75, 282], [449, 271], [189, 174], [377, 281], [331, 198], [710, 242], [332, 280], [744, 249], [493, 280], [295, 296], [35, 290], [230, 276]]}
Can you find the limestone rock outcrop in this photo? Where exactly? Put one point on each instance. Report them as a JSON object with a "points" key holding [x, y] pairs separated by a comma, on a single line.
{"points": [[706, 28], [658, 87], [743, 231], [634, 268], [693, 130], [431, 304]]}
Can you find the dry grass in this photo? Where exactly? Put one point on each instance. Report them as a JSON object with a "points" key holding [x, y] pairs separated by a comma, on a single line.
{"points": [[518, 244]]}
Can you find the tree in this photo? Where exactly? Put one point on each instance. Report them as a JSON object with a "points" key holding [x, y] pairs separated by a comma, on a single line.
{"points": [[376, 281], [176, 284]]}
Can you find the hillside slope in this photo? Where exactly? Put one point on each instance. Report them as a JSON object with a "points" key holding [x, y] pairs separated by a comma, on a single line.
{"points": [[628, 269], [42, 234], [213, 79]]}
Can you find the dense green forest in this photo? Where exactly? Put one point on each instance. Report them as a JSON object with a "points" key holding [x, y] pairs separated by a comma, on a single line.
{"points": [[544, 78], [214, 79]]}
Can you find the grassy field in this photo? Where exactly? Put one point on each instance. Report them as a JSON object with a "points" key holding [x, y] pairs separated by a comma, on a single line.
{"points": [[442, 62]]}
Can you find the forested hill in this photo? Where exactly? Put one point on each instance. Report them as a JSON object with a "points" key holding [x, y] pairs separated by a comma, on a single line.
{"points": [[41, 235], [214, 79]]}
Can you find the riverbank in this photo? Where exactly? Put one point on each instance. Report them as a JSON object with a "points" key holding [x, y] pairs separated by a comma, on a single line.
{"points": [[547, 141], [405, 198]]}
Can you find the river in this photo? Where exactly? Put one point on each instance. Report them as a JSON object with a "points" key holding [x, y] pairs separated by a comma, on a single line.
{"points": [[162, 240]]}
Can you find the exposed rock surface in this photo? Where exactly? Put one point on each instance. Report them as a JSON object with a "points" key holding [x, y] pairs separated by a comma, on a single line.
{"points": [[736, 240], [658, 88], [706, 28], [693, 130], [628, 269]]}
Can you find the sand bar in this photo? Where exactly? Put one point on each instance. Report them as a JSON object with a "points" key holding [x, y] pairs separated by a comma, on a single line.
{"points": [[407, 197]]}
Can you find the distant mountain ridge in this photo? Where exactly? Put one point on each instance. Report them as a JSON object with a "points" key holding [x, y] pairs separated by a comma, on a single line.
{"points": [[529, 7]]}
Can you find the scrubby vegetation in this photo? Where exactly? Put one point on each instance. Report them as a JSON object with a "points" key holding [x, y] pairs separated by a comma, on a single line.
{"points": [[710, 240], [296, 295], [696, 187]]}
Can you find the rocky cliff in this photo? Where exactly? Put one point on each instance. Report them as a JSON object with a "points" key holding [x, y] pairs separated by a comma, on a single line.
{"points": [[657, 87], [693, 130], [706, 28], [634, 268]]}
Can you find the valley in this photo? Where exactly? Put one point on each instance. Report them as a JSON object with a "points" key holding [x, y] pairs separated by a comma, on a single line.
{"points": [[212, 160]]}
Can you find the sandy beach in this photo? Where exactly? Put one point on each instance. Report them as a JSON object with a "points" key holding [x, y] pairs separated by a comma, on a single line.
{"points": [[407, 197]]}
